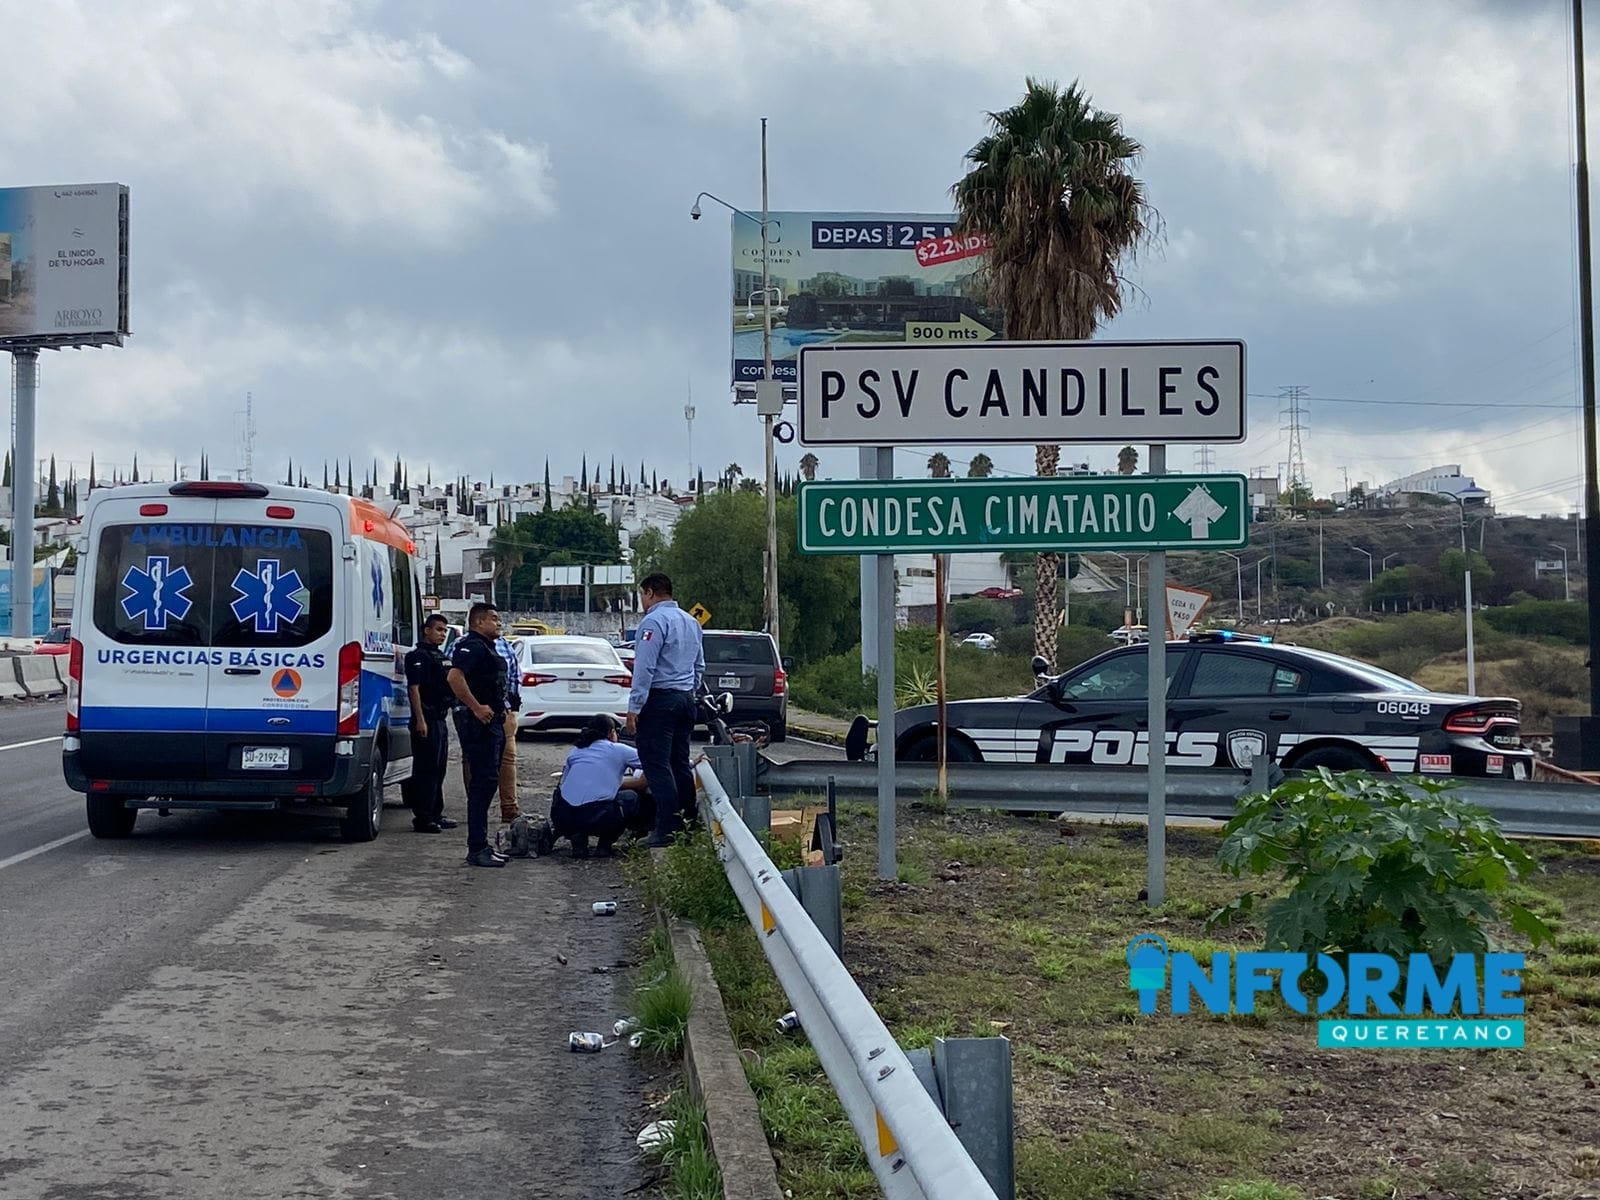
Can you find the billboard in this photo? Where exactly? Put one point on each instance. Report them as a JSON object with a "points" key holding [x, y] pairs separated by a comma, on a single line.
{"points": [[63, 265], [854, 277]]}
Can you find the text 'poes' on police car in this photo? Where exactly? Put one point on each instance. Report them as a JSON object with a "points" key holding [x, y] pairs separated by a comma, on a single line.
{"points": [[1229, 700]]}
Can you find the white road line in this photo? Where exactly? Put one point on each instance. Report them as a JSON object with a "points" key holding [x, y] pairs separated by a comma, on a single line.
{"points": [[37, 850], [35, 742]]}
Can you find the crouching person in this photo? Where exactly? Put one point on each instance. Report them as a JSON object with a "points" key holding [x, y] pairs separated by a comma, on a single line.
{"points": [[597, 797]]}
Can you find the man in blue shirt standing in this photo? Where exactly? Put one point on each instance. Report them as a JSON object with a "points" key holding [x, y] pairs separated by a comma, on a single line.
{"points": [[668, 663]]}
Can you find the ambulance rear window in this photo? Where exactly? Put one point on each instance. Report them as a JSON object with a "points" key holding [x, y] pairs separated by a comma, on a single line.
{"points": [[213, 585]]}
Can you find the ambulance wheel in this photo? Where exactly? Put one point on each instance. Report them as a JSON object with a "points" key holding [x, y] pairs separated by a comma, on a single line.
{"points": [[364, 810], [109, 817]]}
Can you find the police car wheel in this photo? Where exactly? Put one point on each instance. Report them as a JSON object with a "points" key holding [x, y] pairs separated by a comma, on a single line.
{"points": [[925, 748], [1335, 758], [109, 817], [364, 810]]}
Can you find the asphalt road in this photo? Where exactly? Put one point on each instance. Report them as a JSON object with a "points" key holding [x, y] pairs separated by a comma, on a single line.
{"points": [[246, 1007]]}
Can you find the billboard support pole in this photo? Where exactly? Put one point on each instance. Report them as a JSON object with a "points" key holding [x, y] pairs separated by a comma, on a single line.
{"points": [[1156, 832], [769, 420], [26, 364]]}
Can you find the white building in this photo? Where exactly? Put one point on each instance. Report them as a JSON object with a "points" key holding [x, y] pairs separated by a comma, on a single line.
{"points": [[1446, 481]]}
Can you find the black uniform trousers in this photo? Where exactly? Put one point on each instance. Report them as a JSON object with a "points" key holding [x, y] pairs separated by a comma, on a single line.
{"points": [[424, 791], [481, 747], [666, 724]]}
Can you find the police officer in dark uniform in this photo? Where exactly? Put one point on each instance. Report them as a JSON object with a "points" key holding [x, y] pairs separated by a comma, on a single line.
{"points": [[426, 668], [478, 679]]}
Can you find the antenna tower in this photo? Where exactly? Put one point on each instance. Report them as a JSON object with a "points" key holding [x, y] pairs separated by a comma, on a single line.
{"points": [[247, 440], [688, 420]]}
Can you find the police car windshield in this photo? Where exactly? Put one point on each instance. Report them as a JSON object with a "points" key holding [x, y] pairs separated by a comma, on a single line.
{"points": [[1379, 679]]}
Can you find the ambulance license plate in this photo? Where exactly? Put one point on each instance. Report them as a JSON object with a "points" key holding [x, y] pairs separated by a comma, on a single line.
{"points": [[264, 758]]}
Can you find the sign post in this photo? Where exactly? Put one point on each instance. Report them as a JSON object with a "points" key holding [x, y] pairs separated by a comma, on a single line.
{"points": [[955, 389]]}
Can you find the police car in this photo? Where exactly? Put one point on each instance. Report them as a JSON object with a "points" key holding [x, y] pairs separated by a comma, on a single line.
{"points": [[1230, 699]]}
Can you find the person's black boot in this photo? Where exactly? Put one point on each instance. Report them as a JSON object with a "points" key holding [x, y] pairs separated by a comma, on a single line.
{"points": [[580, 846], [485, 858]]}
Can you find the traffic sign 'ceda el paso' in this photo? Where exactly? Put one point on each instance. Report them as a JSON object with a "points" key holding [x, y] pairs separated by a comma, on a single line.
{"points": [[895, 394], [949, 516]]}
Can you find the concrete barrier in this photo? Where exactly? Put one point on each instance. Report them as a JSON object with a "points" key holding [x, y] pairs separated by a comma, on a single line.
{"points": [[10, 681], [38, 675], [59, 662]]}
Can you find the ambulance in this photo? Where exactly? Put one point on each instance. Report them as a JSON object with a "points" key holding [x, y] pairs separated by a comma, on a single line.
{"points": [[236, 647]]}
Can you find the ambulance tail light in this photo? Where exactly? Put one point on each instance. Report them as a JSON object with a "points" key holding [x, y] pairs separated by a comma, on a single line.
{"points": [[74, 683], [350, 688], [780, 681]]}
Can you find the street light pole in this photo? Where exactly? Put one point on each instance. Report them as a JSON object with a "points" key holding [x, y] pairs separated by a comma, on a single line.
{"points": [[1238, 570], [1368, 553], [1566, 582], [1259, 561], [769, 419]]}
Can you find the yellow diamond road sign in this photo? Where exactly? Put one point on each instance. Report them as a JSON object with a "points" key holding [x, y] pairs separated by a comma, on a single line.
{"points": [[702, 614]]}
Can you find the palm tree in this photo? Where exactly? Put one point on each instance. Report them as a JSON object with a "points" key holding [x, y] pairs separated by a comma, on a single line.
{"points": [[939, 465], [981, 466], [1051, 187], [1127, 461], [808, 466]]}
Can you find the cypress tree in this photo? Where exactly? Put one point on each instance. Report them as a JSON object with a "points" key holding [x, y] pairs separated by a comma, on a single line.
{"points": [[337, 483], [7, 482], [613, 488], [583, 474], [547, 505], [349, 477], [91, 470], [52, 494]]}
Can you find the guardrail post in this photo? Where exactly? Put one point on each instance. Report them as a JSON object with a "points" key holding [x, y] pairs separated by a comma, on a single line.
{"points": [[819, 890], [970, 1080]]}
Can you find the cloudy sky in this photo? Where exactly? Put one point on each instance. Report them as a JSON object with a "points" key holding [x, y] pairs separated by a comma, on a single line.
{"points": [[460, 232]]}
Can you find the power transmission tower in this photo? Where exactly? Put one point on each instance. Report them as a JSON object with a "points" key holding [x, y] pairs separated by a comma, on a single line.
{"points": [[1205, 458], [1294, 414]]}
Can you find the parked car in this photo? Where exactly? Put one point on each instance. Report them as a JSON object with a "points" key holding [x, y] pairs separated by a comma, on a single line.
{"points": [[979, 641], [1231, 698], [57, 641], [567, 678], [999, 593], [747, 665]]}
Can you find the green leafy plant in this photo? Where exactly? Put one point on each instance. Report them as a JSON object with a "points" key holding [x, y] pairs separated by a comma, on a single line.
{"points": [[1375, 865], [662, 1006], [920, 686]]}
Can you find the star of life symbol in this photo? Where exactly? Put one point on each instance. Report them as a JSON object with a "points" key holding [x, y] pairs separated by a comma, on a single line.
{"points": [[267, 596], [377, 589], [156, 592]]}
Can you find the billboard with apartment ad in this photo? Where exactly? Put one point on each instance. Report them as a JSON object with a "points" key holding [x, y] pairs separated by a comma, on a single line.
{"points": [[63, 265], [854, 277]]}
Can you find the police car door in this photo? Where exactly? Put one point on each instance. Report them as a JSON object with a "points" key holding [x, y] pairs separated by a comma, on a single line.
{"points": [[1099, 714], [1237, 705], [274, 677], [144, 626]]}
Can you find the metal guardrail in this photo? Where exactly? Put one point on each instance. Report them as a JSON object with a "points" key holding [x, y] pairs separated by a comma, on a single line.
{"points": [[1525, 808], [912, 1150]]}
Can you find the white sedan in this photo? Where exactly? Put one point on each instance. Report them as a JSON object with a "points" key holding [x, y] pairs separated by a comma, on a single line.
{"points": [[568, 679]]}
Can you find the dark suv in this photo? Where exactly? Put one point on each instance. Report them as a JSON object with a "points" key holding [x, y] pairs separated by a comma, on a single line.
{"points": [[747, 665]]}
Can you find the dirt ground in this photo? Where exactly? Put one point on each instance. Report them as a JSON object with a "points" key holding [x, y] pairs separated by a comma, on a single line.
{"points": [[1020, 926]]}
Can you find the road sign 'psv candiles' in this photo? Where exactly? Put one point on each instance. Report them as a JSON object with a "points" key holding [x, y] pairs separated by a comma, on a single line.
{"points": [[1022, 393]]}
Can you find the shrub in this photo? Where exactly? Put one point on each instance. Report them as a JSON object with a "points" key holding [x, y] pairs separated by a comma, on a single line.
{"points": [[1542, 618], [980, 615], [835, 685], [1375, 865], [1403, 643]]}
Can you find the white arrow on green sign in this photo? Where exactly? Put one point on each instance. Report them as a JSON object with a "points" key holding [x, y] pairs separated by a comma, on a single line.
{"points": [[949, 516]]}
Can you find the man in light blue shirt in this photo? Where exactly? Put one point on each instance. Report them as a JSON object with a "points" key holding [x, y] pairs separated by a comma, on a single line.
{"points": [[668, 662]]}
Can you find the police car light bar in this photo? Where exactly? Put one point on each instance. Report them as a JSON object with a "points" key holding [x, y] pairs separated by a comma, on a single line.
{"points": [[1229, 635], [219, 489]]}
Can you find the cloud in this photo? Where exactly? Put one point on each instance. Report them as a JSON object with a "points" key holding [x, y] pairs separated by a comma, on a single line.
{"points": [[1351, 108], [291, 108]]}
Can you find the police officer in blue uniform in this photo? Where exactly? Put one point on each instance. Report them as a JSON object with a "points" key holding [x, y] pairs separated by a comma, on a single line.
{"points": [[668, 662], [478, 679]]}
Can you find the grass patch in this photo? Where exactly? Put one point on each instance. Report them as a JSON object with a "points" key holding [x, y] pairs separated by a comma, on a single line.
{"points": [[1090, 1166], [662, 1007], [1253, 1189], [912, 873], [687, 1153]]}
